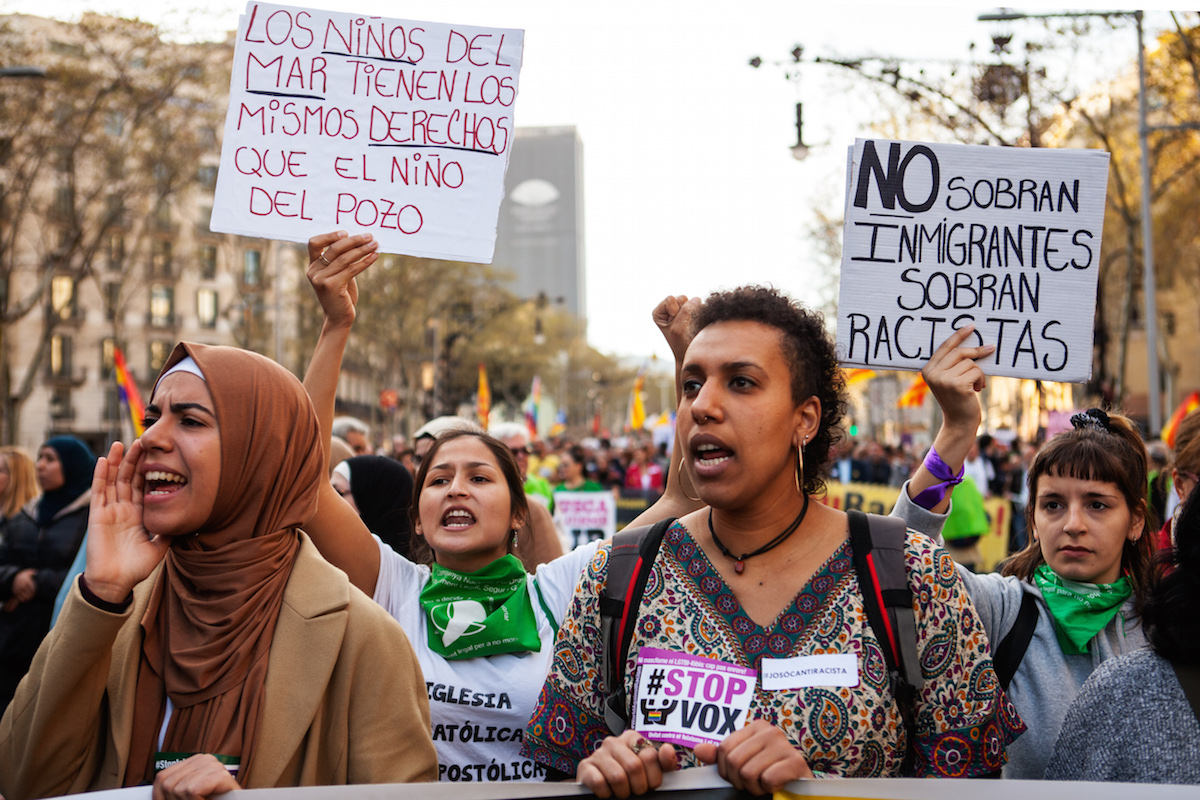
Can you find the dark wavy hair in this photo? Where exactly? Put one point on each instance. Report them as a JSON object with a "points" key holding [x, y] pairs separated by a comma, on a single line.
{"points": [[809, 352], [422, 553], [1115, 455], [1169, 613]]}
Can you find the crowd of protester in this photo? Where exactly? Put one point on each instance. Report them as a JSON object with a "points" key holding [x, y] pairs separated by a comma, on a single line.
{"points": [[205, 643]]}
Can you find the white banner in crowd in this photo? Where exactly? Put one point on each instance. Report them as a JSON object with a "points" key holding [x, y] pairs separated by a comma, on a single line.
{"points": [[583, 517], [386, 126], [1004, 238], [705, 784]]}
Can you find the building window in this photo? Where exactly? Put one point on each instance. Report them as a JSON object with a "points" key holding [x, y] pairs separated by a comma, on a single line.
{"points": [[60, 404], [62, 296], [208, 177], [60, 356], [108, 361], [112, 405], [160, 258], [208, 262], [206, 307], [205, 220], [63, 202], [115, 210], [116, 251], [160, 349], [112, 300], [162, 306], [162, 214], [252, 270]]}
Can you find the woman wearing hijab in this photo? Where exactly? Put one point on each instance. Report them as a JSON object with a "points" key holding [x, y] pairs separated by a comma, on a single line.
{"points": [[207, 647], [381, 491], [37, 551]]}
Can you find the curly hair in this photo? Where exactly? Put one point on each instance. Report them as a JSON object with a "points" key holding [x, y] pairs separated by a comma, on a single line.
{"points": [[809, 352]]}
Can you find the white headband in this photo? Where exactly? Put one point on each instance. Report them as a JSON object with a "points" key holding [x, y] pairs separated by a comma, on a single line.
{"points": [[188, 364], [342, 469]]}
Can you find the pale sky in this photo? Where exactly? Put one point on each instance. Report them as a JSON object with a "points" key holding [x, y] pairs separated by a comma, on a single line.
{"points": [[689, 182]]}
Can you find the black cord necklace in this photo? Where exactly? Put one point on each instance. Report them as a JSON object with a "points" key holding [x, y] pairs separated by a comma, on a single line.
{"points": [[739, 564]]}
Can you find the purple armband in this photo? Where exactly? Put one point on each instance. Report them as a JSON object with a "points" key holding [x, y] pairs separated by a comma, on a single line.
{"points": [[931, 497]]}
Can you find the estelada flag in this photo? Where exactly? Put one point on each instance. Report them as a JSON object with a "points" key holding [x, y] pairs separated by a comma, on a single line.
{"points": [[128, 391], [1190, 404], [483, 406], [914, 395]]}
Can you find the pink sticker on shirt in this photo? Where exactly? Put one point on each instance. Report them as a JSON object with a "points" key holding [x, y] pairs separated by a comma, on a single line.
{"points": [[688, 700]]}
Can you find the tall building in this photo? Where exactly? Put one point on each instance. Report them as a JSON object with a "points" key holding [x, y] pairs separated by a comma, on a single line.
{"points": [[540, 232]]}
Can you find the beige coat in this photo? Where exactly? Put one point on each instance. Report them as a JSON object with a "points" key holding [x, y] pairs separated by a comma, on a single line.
{"points": [[345, 698]]}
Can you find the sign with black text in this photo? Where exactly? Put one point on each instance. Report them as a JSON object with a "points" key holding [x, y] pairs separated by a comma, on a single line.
{"points": [[391, 127], [1003, 238]]}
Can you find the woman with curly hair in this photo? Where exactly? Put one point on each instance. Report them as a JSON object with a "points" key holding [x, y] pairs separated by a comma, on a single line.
{"points": [[759, 579]]}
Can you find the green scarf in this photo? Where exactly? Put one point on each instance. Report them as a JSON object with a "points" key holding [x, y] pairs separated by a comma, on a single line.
{"points": [[1080, 610], [481, 613]]}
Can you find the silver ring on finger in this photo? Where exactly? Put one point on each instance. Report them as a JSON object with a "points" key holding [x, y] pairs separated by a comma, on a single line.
{"points": [[324, 260]]}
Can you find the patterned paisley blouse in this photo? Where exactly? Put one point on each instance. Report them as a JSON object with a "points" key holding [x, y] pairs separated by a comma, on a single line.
{"points": [[964, 721]]}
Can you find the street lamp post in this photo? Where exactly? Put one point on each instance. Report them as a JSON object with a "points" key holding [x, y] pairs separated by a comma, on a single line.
{"points": [[1148, 282]]}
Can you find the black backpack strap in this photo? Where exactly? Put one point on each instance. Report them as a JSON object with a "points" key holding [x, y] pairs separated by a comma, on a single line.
{"points": [[630, 557], [1011, 649], [878, 547]]}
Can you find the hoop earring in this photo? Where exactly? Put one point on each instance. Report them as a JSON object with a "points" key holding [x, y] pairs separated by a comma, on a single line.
{"points": [[681, 474], [800, 468]]}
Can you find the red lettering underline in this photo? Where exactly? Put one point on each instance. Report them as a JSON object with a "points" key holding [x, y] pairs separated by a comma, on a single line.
{"points": [[435, 147]]}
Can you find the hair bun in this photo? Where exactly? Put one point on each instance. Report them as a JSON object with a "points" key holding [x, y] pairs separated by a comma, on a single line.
{"points": [[1093, 418]]}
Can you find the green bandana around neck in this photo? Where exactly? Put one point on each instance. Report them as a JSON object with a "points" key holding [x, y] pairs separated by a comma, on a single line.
{"points": [[481, 613], [1080, 610]]}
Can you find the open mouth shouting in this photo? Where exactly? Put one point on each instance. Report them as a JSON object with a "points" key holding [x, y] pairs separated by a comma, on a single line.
{"points": [[709, 455], [457, 519], [163, 484]]}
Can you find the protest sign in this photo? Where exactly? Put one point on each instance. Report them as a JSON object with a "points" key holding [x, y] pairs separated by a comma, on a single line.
{"points": [[391, 127], [688, 700], [940, 236], [584, 517]]}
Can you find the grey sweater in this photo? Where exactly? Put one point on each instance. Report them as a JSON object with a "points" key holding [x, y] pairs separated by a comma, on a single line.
{"points": [[1131, 723], [1047, 680]]}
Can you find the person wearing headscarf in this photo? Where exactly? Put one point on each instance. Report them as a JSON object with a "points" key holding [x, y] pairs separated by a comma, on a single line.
{"points": [[207, 646], [381, 489], [39, 545]]}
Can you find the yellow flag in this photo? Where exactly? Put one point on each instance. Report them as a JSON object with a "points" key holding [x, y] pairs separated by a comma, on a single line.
{"points": [[484, 405]]}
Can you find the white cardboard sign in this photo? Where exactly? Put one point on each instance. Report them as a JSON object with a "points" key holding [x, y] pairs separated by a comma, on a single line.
{"points": [[392, 127], [585, 516], [1005, 238]]}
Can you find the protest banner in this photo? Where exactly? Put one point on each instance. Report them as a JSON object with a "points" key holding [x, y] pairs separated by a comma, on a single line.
{"points": [[396, 128], [703, 783], [1004, 238], [584, 517]]}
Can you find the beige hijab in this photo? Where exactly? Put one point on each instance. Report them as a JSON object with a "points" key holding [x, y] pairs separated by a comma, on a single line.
{"points": [[212, 612]]}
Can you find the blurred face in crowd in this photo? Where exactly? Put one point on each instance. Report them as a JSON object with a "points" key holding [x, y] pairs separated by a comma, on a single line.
{"points": [[5, 476], [520, 452], [49, 470], [358, 443], [342, 487], [1082, 526]]}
